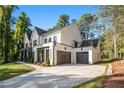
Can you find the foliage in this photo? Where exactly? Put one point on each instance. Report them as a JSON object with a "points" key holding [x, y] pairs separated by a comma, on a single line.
{"points": [[6, 23], [11, 39], [22, 26], [47, 62], [31, 59], [112, 16], [88, 23], [62, 22], [74, 21]]}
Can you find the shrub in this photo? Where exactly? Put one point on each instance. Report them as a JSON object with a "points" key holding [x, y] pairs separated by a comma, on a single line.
{"points": [[1, 60], [47, 62]]}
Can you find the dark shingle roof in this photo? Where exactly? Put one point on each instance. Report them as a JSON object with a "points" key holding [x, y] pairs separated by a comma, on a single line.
{"points": [[52, 31], [29, 34], [86, 43], [40, 31]]}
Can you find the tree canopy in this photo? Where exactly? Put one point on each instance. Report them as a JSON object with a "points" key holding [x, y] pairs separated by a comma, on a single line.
{"points": [[10, 37]]}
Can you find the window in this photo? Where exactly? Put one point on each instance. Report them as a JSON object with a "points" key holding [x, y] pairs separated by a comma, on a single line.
{"points": [[35, 43], [31, 44], [50, 39], [76, 44], [55, 38], [26, 44], [45, 40]]}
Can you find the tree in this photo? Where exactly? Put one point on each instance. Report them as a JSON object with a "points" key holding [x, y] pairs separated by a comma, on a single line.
{"points": [[6, 22], [87, 22], [63, 20], [1, 33], [11, 35], [23, 24], [73, 21], [113, 15]]}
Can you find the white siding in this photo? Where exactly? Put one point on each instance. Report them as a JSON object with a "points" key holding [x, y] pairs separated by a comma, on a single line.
{"points": [[64, 37], [73, 51], [85, 49], [70, 33], [50, 45], [35, 36], [57, 34], [26, 41]]}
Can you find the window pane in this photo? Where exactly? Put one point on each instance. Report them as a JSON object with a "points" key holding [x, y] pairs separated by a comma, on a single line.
{"points": [[55, 38], [45, 40], [50, 39], [35, 43]]}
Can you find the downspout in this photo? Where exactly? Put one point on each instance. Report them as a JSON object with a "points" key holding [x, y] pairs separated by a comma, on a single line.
{"points": [[54, 43]]}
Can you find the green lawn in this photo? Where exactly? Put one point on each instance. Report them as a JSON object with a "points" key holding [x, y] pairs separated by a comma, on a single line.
{"points": [[94, 83], [10, 70]]}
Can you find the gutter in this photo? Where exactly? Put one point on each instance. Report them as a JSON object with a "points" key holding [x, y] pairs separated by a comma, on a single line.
{"points": [[53, 52]]}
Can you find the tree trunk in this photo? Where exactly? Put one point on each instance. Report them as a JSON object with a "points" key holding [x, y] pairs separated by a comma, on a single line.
{"points": [[115, 46], [114, 38]]}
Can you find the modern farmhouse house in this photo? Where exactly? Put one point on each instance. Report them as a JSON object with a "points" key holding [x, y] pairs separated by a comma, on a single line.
{"points": [[61, 46]]}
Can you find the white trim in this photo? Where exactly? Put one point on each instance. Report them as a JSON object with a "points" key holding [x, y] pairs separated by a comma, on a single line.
{"points": [[90, 57]]}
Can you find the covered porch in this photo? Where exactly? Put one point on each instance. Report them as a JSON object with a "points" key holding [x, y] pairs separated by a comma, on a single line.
{"points": [[43, 54], [25, 54]]}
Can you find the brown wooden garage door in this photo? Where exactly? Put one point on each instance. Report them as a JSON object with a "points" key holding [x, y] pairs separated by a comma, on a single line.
{"points": [[82, 57], [63, 57]]}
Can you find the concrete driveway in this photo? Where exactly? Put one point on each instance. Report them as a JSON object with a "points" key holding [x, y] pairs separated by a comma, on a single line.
{"points": [[62, 76]]}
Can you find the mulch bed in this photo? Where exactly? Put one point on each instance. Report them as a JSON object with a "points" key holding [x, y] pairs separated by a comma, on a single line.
{"points": [[116, 79]]}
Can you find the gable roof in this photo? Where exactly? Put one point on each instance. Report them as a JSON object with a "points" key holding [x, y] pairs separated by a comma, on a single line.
{"points": [[40, 31], [29, 34], [93, 42]]}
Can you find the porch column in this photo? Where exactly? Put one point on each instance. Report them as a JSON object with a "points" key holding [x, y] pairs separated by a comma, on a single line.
{"points": [[90, 57], [44, 54], [23, 54]]}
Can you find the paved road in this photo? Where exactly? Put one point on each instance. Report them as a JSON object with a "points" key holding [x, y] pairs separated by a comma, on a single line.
{"points": [[62, 76]]}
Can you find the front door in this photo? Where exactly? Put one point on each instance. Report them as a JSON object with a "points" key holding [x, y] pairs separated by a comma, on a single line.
{"points": [[47, 53], [25, 57], [41, 56]]}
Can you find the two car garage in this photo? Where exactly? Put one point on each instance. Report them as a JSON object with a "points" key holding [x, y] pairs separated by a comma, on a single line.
{"points": [[64, 57]]}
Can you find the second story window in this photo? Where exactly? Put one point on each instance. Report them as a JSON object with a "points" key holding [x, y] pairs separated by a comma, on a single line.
{"points": [[26, 44], [55, 38], [45, 40], [35, 43], [76, 44], [30, 44], [50, 39]]}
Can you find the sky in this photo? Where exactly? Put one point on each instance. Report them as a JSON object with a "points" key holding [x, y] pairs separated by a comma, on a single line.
{"points": [[46, 16]]}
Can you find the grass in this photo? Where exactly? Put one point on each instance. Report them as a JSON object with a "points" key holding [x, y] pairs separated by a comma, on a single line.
{"points": [[105, 62], [11, 70], [94, 83]]}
